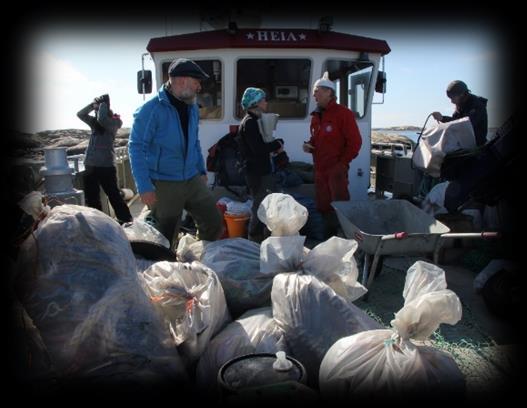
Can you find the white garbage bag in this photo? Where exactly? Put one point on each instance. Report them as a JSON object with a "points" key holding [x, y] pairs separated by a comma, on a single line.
{"points": [[124, 335], [282, 214], [281, 254], [236, 261], [33, 205], [82, 292], [190, 248], [191, 300], [253, 332], [434, 202], [387, 363], [139, 230], [333, 263], [267, 125], [436, 142], [313, 317]]}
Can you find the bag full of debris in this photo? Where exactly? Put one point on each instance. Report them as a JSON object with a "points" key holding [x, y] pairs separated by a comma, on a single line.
{"points": [[80, 289], [190, 298], [313, 317], [383, 364], [254, 332], [282, 214], [236, 261]]}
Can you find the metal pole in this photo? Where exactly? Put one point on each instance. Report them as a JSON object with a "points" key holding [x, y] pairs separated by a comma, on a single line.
{"points": [[143, 72]]}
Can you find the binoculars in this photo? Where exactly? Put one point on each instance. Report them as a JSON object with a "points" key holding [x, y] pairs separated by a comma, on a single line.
{"points": [[103, 98]]}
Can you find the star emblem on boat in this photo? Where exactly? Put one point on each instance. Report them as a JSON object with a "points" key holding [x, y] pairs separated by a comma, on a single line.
{"points": [[250, 36], [302, 36]]}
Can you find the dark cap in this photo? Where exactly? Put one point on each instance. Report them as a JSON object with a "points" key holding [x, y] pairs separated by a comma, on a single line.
{"points": [[183, 67], [456, 88]]}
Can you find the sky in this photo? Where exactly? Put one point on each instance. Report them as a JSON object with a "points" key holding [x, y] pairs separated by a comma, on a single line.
{"points": [[67, 64]]}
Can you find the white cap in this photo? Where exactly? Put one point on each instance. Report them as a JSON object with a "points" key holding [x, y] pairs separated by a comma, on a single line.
{"points": [[325, 81]]}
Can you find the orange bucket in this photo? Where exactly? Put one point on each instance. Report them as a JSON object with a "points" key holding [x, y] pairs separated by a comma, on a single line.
{"points": [[236, 224]]}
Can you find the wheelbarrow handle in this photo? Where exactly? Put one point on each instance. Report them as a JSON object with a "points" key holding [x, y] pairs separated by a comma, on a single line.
{"points": [[397, 235], [484, 235]]}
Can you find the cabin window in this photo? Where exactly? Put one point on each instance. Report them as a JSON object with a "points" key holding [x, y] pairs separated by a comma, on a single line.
{"points": [[210, 99], [285, 82], [353, 81]]}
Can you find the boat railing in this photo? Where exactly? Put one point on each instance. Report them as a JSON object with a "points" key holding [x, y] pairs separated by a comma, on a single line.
{"points": [[122, 164], [393, 149], [75, 160]]}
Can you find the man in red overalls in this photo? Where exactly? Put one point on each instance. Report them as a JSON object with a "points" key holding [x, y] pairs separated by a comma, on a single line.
{"points": [[335, 141]]}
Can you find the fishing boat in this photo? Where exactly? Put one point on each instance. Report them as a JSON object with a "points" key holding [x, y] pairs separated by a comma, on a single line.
{"points": [[286, 62]]}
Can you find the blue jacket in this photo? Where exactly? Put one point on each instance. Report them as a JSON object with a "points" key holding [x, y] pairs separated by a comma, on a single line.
{"points": [[157, 144]]}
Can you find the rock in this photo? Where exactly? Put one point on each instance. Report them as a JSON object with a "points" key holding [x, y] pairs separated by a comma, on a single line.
{"points": [[399, 128], [79, 148], [65, 142], [74, 140], [382, 137]]}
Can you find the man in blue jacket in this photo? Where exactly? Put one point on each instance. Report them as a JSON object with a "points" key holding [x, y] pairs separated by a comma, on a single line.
{"points": [[166, 159]]}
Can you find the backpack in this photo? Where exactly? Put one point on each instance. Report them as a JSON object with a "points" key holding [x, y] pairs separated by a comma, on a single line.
{"points": [[225, 160]]}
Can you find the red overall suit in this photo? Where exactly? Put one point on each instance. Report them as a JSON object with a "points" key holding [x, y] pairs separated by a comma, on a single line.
{"points": [[336, 140]]}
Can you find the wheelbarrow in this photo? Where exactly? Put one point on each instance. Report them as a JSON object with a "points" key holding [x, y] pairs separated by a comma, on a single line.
{"points": [[393, 227]]}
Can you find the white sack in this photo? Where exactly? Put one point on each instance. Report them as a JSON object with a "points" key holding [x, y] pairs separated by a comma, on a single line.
{"points": [[236, 261], [82, 294], [124, 335], [436, 142], [385, 362], [281, 254], [333, 263], [254, 332], [434, 202], [32, 205], [282, 214], [191, 300], [190, 248], [372, 364], [312, 317], [139, 230]]}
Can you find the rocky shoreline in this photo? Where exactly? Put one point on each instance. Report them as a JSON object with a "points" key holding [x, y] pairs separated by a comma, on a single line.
{"points": [[386, 137], [398, 128], [26, 151], [30, 147]]}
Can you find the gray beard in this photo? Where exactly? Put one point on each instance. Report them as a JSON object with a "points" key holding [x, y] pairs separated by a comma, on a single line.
{"points": [[184, 97], [189, 99]]}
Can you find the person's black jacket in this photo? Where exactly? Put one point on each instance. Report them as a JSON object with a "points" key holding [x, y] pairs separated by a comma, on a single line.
{"points": [[475, 107], [253, 149]]}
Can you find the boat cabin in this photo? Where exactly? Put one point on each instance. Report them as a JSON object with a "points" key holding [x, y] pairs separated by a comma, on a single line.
{"points": [[285, 63]]}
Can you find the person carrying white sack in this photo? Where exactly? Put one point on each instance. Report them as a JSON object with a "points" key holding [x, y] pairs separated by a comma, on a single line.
{"points": [[467, 105], [256, 156], [387, 363]]}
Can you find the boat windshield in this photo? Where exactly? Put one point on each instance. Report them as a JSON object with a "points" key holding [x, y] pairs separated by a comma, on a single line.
{"points": [[284, 80], [353, 79]]}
